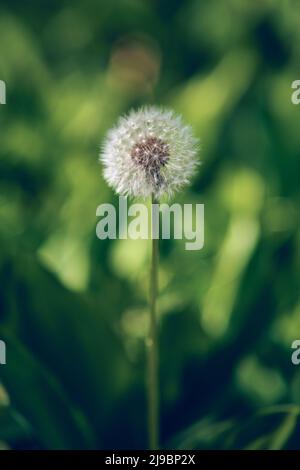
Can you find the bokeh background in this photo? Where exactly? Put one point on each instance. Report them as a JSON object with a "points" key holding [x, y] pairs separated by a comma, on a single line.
{"points": [[74, 308]]}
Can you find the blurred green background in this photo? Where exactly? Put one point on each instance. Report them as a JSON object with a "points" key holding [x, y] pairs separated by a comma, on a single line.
{"points": [[74, 308]]}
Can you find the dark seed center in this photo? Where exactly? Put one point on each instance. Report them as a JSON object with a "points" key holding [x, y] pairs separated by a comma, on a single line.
{"points": [[151, 153]]}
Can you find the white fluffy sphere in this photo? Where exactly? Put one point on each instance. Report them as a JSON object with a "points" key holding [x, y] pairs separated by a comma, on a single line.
{"points": [[150, 151]]}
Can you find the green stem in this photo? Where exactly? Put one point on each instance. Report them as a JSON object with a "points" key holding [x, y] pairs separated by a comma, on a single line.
{"points": [[153, 398]]}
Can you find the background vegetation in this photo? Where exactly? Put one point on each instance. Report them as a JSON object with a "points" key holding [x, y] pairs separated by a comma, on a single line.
{"points": [[73, 309]]}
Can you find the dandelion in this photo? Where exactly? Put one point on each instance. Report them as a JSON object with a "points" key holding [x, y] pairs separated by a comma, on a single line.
{"points": [[150, 152]]}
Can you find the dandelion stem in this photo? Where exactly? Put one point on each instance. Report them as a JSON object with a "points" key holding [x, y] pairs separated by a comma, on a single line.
{"points": [[153, 383]]}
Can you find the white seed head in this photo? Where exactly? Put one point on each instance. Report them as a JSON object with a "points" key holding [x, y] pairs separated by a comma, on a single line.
{"points": [[150, 151]]}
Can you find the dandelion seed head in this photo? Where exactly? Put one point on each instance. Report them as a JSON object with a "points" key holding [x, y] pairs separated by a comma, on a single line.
{"points": [[150, 151]]}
